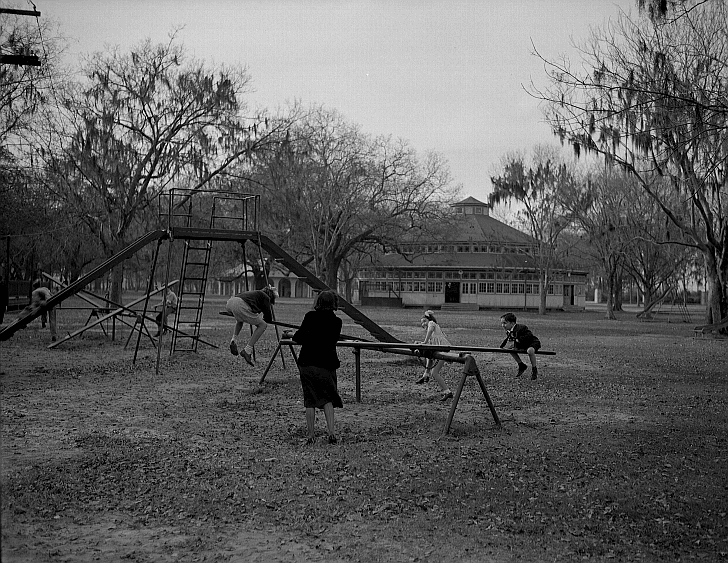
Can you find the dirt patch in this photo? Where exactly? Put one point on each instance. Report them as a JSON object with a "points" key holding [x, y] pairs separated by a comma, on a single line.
{"points": [[616, 452]]}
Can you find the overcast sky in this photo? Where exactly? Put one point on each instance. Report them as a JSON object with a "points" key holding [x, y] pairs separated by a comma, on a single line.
{"points": [[447, 75]]}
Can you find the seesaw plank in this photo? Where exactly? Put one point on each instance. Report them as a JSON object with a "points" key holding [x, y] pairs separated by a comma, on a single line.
{"points": [[426, 347]]}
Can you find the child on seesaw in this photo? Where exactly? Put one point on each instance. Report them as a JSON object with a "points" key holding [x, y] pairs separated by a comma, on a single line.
{"points": [[520, 338]]}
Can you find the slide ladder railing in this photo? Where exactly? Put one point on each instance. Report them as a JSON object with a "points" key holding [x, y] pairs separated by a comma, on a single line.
{"points": [[226, 212]]}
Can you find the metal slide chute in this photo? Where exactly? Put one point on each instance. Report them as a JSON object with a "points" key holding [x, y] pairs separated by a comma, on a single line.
{"points": [[360, 318], [83, 281]]}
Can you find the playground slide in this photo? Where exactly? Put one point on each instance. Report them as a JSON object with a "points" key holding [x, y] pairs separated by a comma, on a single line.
{"points": [[83, 281], [360, 318]]}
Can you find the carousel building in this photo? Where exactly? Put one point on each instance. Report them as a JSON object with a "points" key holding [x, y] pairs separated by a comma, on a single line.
{"points": [[484, 264]]}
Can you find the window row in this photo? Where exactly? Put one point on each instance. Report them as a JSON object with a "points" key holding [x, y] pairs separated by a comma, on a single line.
{"points": [[451, 275], [466, 288], [488, 248]]}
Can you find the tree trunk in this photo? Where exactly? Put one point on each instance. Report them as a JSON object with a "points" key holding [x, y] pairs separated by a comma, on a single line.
{"points": [[618, 294], [717, 303], [542, 297], [331, 277], [116, 292], [611, 283], [610, 307], [543, 283]]}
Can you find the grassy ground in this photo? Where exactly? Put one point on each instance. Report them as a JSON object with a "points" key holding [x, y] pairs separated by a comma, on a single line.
{"points": [[616, 453]]}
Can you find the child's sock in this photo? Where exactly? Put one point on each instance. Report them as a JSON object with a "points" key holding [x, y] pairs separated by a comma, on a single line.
{"points": [[248, 349], [534, 372]]}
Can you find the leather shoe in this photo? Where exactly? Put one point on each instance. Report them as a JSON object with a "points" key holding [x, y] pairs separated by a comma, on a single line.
{"points": [[248, 358]]}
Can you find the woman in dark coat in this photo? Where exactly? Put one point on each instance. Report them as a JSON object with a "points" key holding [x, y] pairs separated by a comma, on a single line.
{"points": [[318, 362]]}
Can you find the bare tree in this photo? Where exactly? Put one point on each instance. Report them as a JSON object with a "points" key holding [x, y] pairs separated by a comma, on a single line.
{"points": [[144, 121], [598, 205], [627, 235], [337, 194], [25, 90], [655, 257], [651, 99], [538, 188]]}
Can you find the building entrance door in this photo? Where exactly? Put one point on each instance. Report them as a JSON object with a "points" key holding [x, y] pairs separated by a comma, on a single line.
{"points": [[452, 292], [568, 294]]}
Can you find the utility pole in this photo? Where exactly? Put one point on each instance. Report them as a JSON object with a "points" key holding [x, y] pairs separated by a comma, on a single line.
{"points": [[24, 59]]}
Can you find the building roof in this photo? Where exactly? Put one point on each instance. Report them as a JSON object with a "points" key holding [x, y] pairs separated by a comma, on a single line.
{"points": [[484, 228], [473, 225], [470, 200], [458, 261]]}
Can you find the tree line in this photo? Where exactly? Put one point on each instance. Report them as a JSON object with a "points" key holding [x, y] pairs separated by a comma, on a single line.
{"points": [[645, 104], [84, 158]]}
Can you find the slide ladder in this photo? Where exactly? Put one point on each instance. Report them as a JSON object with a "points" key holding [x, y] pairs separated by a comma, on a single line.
{"points": [[191, 298], [227, 213]]}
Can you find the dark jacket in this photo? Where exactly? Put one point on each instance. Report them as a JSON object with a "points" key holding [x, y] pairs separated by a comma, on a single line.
{"points": [[258, 302], [318, 335], [522, 338]]}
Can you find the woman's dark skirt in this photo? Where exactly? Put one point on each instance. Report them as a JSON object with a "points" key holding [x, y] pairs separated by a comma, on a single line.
{"points": [[319, 387]]}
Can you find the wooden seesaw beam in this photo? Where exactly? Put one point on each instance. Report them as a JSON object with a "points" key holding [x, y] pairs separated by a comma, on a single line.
{"points": [[430, 351], [470, 368], [429, 348]]}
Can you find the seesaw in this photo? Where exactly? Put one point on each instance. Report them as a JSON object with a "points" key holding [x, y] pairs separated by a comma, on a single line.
{"points": [[435, 351], [432, 347]]}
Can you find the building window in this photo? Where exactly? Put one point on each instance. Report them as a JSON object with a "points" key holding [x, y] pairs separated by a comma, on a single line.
{"points": [[478, 210], [434, 287], [469, 288], [499, 287], [490, 287]]}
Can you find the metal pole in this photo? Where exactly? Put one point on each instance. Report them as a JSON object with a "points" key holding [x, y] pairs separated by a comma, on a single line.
{"points": [[150, 285], [357, 377]]}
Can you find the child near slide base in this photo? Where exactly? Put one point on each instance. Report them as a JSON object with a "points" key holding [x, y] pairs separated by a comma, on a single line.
{"points": [[520, 337]]}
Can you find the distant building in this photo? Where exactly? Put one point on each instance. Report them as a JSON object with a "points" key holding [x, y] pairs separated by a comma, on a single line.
{"points": [[483, 264], [287, 283]]}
